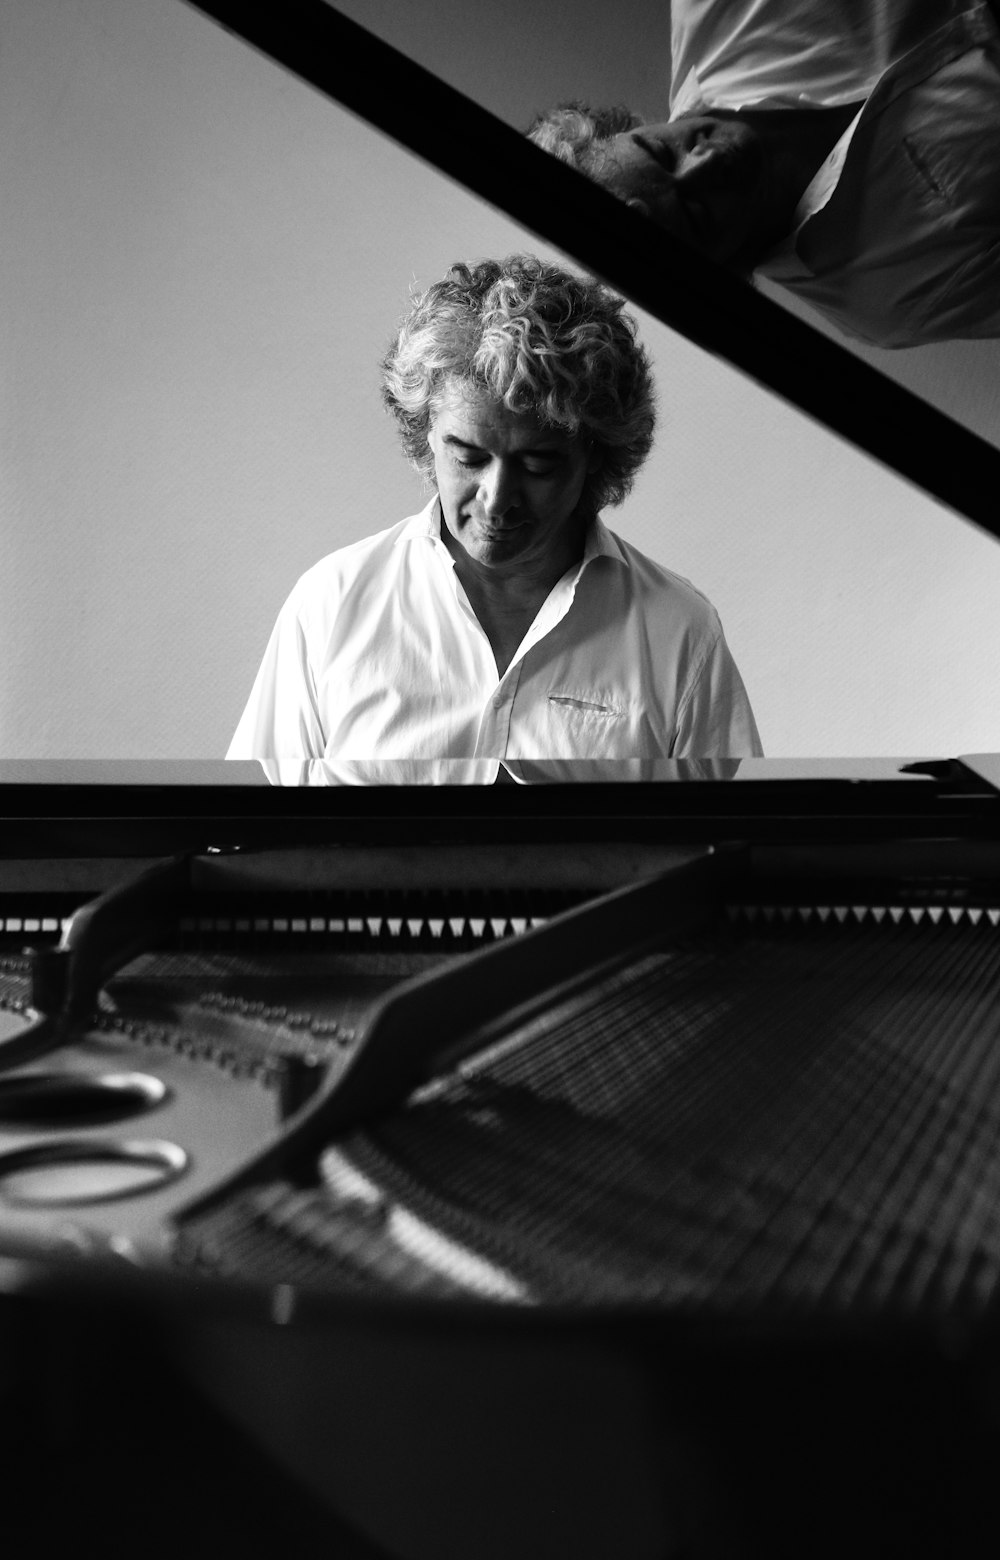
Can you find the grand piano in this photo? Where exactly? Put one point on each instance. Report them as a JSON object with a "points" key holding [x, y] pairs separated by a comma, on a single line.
{"points": [[606, 1162]]}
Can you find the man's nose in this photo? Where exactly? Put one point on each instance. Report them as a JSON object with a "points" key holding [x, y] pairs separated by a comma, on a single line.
{"points": [[499, 488], [695, 162]]}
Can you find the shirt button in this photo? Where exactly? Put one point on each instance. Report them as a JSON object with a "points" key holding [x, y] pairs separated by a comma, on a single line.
{"points": [[497, 702]]}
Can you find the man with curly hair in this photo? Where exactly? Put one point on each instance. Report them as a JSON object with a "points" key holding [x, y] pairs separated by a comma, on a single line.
{"points": [[504, 621], [847, 149]]}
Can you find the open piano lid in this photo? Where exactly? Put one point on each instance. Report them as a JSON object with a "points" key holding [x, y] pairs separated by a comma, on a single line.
{"points": [[693, 296]]}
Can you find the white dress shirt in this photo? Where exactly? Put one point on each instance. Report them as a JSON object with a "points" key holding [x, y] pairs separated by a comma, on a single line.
{"points": [[377, 654], [897, 237], [790, 53]]}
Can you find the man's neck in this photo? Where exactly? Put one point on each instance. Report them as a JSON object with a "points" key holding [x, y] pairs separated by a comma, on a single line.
{"points": [[521, 583], [506, 601], [796, 144]]}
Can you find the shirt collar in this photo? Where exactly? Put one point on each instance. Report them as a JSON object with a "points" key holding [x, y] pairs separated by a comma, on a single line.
{"points": [[823, 183], [601, 543], [424, 524]]}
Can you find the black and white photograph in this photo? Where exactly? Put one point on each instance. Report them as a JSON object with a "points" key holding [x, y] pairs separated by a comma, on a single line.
{"points": [[500, 778]]}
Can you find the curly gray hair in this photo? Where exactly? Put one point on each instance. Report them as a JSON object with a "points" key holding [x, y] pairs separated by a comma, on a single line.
{"points": [[579, 135], [538, 340]]}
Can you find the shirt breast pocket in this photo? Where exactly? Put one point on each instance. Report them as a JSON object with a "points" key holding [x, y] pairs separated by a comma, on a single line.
{"points": [[589, 725], [930, 173]]}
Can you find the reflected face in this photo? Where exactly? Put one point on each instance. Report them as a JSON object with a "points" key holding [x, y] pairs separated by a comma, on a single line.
{"points": [[510, 487], [703, 178]]}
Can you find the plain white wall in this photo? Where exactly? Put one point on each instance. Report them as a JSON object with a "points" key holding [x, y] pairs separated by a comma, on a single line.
{"points": [[201, 263]]}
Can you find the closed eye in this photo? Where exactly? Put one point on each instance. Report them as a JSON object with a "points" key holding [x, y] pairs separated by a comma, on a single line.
{"points": [[663, 156], [538, 466]]}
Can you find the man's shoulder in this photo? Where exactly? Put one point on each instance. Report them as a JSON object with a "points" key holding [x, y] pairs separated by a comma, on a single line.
{"points": [[661, 586], [356, 561]]}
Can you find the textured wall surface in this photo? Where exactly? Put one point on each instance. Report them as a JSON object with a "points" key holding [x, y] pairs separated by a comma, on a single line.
{"points": [[201, 263]]}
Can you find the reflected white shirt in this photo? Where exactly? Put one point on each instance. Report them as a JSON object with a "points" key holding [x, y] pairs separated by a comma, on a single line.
{"points": [[377, 653], [897, 237], [789, 53]]}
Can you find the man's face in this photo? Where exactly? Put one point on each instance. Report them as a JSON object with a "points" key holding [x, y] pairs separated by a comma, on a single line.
{"points": [[510, 487], [701, 177]]}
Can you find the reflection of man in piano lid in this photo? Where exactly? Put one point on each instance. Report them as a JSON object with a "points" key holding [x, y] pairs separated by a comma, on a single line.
{"points": [[505, 621], [848, 149]]}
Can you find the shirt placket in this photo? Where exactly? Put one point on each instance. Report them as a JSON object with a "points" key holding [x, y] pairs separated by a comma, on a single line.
{"points": [[493, 738], [494, 723], [489, 689]]}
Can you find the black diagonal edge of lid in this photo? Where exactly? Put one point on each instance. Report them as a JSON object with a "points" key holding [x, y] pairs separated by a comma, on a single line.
{"points": [[689, 293]]}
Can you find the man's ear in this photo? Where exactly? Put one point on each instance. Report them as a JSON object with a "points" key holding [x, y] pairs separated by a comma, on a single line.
{"points": [[595, 460]]}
